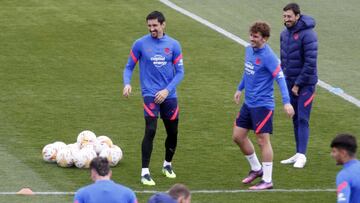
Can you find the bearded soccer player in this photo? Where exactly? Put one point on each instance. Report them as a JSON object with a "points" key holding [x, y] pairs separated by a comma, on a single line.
{"points": [[161, 70], [262, 67], [298, 53]]}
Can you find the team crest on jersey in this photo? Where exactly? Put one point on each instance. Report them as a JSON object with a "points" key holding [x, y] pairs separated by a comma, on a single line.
{"points": [[257, 61], [158, 61], [167, 50], [296, 36]]}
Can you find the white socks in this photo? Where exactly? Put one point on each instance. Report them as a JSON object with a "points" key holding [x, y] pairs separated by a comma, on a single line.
{"points": [[267, 171], [166, 163], [253, 161], [145, 171]]}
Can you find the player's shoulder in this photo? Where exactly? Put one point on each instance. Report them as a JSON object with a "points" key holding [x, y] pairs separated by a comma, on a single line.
{"points": [[84, 189], [142, 39], [123, 188], [343, 175], [172, 40], [249, 49], [269, 53]]}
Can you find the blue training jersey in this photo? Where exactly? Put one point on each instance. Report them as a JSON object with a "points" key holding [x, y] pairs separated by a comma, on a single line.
{"points": [[348, 183], [160, 62], [105, 191], [262, 66]]}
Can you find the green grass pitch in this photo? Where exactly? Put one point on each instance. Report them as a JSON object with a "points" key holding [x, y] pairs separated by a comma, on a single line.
{"points": [[61, 72]]}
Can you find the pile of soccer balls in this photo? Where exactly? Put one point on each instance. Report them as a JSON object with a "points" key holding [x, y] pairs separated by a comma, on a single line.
{"points": [[80, 154]]}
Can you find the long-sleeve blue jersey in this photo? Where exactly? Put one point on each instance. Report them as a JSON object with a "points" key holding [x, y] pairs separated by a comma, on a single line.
{"points": [[261, 68], [105, 191], [160, 62], [348, 183]]}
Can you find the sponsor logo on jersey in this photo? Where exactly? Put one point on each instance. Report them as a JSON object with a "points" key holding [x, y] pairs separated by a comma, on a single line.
{"points": [[257, 61], [158, 61], [249, 68]]}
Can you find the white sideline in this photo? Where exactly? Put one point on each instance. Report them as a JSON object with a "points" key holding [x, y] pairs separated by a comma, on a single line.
{"points": [[193, 191], [237, 39]]}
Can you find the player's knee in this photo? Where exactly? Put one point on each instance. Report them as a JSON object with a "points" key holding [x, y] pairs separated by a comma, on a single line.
{"points": [[237, 138], [304, 120], [150, 128], [262, 141]]}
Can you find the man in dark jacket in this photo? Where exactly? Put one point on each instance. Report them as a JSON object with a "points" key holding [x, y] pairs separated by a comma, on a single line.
{"points": [[298, 53]]}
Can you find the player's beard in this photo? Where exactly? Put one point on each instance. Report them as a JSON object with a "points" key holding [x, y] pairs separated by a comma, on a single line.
{"points": [[154, 33], [289, 25]]}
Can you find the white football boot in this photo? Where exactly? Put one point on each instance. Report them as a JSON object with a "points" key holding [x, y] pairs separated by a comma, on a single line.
{"points": [[290, 160], [300, 161]]}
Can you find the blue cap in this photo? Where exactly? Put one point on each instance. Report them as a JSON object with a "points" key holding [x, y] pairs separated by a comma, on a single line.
{"points": [[161, 198]]}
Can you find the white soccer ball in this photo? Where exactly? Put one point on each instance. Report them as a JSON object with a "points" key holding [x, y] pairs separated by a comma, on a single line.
{"points": [[59, 145], [100, 146], [103, 139], [113, 155], [49, 153], [89, 154], [80, 159], [74, 148], [102, 142], [86, 137], [64, 157]]}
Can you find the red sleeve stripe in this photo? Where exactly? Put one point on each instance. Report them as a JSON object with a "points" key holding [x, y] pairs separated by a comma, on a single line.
{"points": [[263, 122], [276, 71], [309, 100], [133, 56], [177, 59], [148, 111], [342, 186], [174, 116]]}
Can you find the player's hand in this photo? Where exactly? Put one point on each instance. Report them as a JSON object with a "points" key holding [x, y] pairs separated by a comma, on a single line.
{"points": [[160, 96], [127, 91], [237, 96], [295, 90], [289, 110]]}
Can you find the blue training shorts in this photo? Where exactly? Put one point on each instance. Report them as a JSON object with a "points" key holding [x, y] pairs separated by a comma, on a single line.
{"points": [[169, 109], [258, 119]]}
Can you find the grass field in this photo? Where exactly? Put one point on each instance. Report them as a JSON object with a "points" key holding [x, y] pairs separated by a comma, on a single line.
{"points": [[338, 61], [61, 73]]}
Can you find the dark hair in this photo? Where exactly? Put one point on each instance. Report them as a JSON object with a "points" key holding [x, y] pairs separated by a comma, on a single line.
{"points": [[346, 142], [156, 15], [179, 190], [101, 165], [262, 27], [294, 7]]}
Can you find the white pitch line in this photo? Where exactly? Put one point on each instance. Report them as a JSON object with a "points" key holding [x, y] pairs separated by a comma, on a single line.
{"points": [[193, 191], [237, 39]]}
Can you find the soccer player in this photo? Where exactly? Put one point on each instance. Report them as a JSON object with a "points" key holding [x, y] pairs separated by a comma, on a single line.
{"points": [[103, 189], [343, 150], [262, 67], [161, 197], [161, 70], [178, 193], [181, 193], [298, 53]]}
